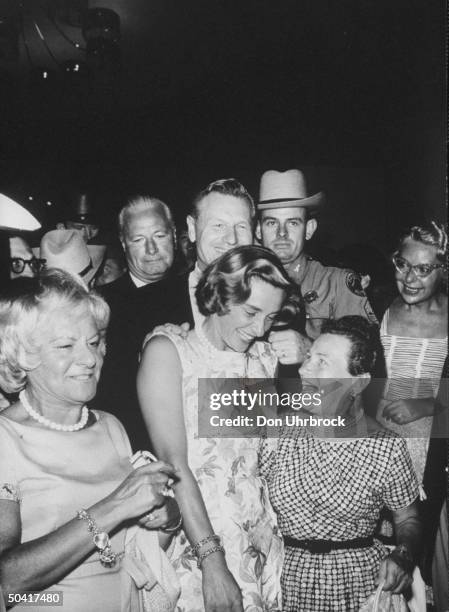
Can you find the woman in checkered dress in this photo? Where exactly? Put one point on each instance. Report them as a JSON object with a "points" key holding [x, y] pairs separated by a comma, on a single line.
{"points": [[328, 492]]}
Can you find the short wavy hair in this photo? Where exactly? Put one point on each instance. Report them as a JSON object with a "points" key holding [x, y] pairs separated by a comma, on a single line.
{"points": [[364, 339], [22, 308], [228, 279], [432, 234], [228, 187]]}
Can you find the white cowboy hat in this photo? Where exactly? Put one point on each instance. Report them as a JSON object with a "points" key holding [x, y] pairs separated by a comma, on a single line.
{"points": [[16, 217], [66, 249], [286, 189]]}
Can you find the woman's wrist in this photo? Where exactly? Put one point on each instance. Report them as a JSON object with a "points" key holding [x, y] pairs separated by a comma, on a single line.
{"points": [[214, 562], [108, 513], [403, 557]]}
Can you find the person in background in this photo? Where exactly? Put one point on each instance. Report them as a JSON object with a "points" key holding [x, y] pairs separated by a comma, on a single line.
{"points": [[414, 338], [230, 529], [75, 516], [81, 216], [287, 220], [328, 491], [114, 265], [22, 262], [186, 255], [147, 295]]}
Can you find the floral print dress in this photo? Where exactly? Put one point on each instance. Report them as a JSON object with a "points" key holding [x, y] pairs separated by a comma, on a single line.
{"points": [[235, 495]]}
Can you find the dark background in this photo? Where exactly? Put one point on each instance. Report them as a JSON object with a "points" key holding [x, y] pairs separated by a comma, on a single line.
{"points": [[351, 91]]}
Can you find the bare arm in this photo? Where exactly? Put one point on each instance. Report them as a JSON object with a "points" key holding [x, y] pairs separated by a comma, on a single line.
{"points": [[398, 567], [159, 386], [42, 562]]}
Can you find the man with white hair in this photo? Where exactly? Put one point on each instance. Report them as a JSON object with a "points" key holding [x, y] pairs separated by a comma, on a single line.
{"points": [[145, 296]]}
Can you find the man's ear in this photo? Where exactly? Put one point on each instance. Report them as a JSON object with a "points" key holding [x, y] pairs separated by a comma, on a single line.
{"points": [[191, 228], [311, 226], [258, 233], [361, 382]]}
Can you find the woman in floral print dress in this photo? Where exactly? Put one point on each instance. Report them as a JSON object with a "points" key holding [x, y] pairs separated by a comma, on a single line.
{"points": [[219, 489]]}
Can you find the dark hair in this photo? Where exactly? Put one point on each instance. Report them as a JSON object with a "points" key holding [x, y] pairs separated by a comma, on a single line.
{"points": [[228, 280], [230, 187], [363, 337], [432, 234]]}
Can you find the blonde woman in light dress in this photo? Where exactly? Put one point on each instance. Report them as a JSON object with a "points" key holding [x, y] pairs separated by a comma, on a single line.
{"points": [[74, 512]]}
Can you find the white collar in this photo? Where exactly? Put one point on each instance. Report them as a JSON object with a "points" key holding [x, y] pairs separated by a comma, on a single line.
{"points": [[137, 281]]}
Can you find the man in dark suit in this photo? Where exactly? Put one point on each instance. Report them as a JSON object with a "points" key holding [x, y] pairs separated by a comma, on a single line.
{"points": [[147, 295]]}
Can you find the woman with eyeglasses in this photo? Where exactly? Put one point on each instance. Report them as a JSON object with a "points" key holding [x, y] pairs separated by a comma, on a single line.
{"points": [[414, 337]]}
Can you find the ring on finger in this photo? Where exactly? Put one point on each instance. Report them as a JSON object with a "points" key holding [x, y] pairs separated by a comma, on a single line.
{"points": [[149, 516]]}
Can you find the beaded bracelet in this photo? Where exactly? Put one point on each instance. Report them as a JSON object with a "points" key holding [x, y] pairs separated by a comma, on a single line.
{"points": [[174, 529], [108, 558], [212, 538], [209, 551]]}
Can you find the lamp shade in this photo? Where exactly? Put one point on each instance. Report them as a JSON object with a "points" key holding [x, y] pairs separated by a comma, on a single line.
{"points": [[16, 217]]}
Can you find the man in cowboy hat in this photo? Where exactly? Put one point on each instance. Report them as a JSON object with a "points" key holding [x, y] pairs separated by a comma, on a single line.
{"points": [[145, 296], [285, 224]]}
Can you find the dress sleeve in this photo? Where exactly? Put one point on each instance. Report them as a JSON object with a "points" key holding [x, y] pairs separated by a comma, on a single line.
{"points": [[9, 482], [401, 487]]}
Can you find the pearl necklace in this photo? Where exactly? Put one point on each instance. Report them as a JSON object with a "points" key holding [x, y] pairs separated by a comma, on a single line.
{"points": [[50, 424]]}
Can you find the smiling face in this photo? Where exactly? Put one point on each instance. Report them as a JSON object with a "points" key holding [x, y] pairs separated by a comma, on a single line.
{"points": [[245, 322], [285, 231], [415, 290], [71, 351], [223, 222], [148, 242]]}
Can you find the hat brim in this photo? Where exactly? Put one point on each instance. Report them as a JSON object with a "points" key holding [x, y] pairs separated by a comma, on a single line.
{"points": [[313, 201], [96, 252]]}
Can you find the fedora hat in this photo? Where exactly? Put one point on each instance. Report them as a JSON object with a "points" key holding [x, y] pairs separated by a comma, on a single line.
{"points": [[286, 189], [66, 249]]}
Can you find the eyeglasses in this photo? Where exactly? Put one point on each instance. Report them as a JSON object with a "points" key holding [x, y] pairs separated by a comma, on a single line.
{"points": [[421, 270], [17, 264]]}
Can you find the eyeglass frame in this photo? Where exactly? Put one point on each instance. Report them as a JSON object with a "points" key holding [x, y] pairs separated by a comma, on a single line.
{"points": [[431, 267], [36, 264]]}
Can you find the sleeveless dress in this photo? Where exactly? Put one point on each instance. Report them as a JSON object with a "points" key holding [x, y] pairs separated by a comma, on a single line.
{"points": [[414, 367], [52, 474], [235, 495]]}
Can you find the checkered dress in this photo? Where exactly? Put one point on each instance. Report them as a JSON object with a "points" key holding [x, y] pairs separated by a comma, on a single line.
{"points": [[328, 490]]}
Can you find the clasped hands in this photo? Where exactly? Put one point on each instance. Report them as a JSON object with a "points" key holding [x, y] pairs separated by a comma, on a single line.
{"points": [[288, 345]]}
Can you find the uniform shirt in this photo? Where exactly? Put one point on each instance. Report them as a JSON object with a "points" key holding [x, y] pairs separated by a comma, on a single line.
{"points": [[328, 292]]}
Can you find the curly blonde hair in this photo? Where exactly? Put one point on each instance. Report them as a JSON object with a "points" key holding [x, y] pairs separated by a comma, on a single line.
{"points": [[22, 309]]}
